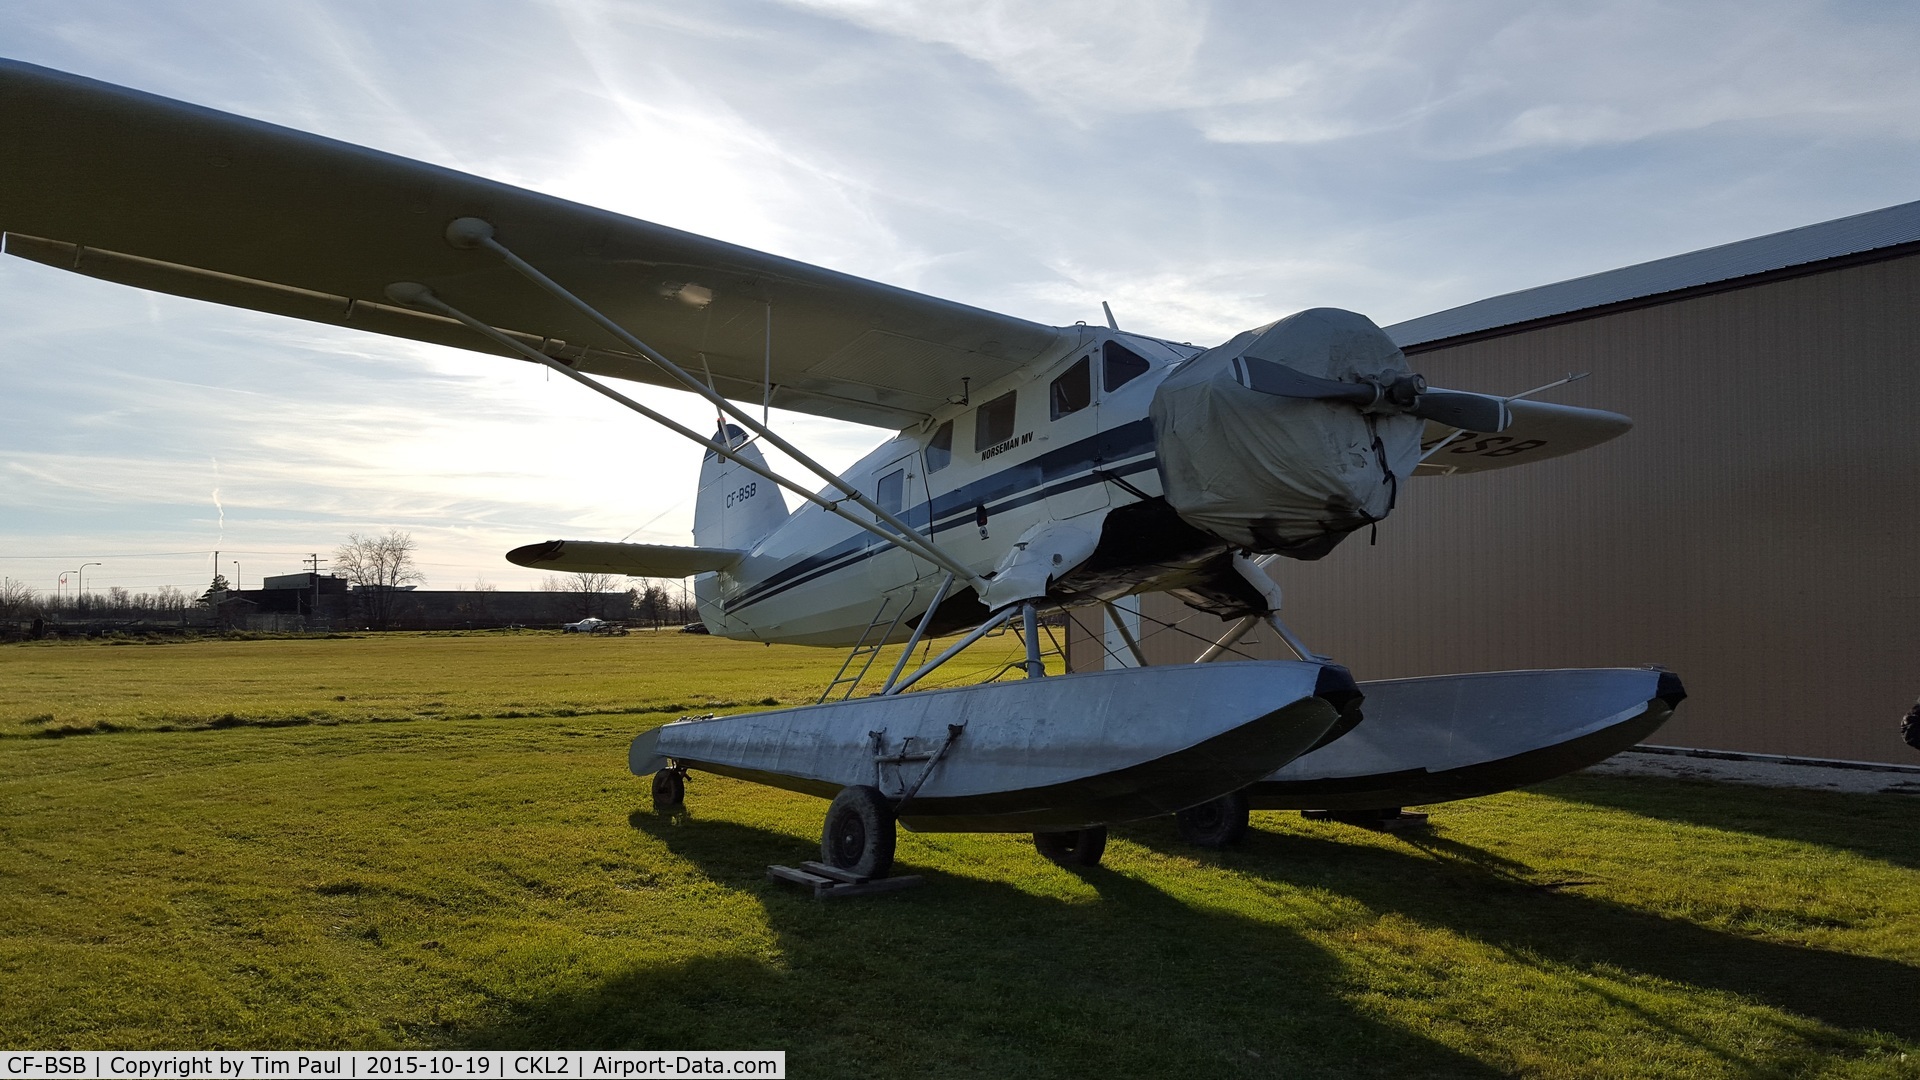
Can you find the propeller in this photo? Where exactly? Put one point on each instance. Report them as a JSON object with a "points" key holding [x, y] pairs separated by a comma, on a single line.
{"points": [[1407, 394]]}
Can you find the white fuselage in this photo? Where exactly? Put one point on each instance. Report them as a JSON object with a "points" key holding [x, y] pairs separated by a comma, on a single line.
{"points": [[1073, 442]]}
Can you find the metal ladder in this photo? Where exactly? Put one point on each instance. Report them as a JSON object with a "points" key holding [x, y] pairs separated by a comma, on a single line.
{"points": [[867, 651]]}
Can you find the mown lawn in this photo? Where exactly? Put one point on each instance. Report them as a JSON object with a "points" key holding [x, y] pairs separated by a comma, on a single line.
{"points": [[479, 870]]}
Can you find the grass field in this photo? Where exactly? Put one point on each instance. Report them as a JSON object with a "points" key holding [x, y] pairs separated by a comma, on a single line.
{"points": [[432, 841]]}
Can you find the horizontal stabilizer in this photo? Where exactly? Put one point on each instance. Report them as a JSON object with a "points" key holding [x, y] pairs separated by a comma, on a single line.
{"points": [[633, 560]]}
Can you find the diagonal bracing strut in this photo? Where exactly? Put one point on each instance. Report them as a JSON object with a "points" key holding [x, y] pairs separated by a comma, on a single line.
{"points": [[471, 232], [414, 294]]}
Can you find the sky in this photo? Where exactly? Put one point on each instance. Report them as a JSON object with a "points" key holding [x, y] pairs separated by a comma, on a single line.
{"points": [[1204, 167]]}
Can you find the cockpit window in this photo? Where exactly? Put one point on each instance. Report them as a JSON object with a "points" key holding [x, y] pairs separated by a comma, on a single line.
{"points": [[891, 492], [1120, 366], [993, 423], [1073, 390], [940, 448]]}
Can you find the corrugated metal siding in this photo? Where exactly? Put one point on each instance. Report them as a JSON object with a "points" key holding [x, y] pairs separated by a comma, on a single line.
{"points": [[1795, 247], [1756, 532]]}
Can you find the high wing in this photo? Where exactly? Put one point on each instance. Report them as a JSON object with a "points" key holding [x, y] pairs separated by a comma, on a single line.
{"points": [[1539, 430], [147, 191]]}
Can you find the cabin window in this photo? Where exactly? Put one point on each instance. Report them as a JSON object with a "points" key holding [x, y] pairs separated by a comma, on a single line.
{"points": [[993, 423], [1073, 390], [1120, 365], [940, 448], [891, 492]]}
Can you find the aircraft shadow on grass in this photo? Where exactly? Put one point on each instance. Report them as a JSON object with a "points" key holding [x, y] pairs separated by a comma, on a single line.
{"points": [[971, 975], [1877, 826], [1482, 895]]}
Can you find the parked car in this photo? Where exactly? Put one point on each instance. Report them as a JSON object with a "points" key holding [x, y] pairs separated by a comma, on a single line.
{"points": [[585, 626], [694, 628]]}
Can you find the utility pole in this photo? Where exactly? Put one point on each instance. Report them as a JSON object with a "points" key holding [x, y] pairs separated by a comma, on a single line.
{"points": [[313, 561]]}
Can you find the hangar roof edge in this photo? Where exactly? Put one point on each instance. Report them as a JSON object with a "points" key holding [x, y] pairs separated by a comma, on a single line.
{"points": [[1875, 229]]}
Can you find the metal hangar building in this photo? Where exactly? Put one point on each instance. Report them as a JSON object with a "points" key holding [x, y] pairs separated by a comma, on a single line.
{"points": [[1756, 532]]}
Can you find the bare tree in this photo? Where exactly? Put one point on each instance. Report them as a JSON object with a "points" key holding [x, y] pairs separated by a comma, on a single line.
{"points": [[592, 589], [662, 601], [381, 566], [16, 599], [589, 590]]}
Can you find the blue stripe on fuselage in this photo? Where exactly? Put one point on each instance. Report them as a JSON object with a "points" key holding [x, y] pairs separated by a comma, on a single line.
{"points": [[1052, 473]]}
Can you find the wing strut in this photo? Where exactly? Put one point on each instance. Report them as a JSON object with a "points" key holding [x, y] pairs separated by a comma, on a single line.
{"points": [[472, 232], [919, 630], [1229, 639], [1115, 620], [985, 628], [414, 294], [1253, 572]]}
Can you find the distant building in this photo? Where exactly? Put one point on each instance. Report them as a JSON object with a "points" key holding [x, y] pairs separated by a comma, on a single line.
{"points": [[328, 583], [292, 602]]}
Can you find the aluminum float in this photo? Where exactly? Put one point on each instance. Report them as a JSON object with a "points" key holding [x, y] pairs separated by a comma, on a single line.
{"points": [[1447, 737], [1451, 737], [1055, 756]]}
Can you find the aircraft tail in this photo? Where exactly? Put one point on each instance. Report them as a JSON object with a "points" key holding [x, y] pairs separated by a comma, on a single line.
{"points": [[735, 508]]}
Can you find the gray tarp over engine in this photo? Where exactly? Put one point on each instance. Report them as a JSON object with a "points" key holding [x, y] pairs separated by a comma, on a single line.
{"points": [[1280, 474]]}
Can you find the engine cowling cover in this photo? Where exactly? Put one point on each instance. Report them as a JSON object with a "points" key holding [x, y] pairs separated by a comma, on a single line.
{"points": [[1279, 474]]}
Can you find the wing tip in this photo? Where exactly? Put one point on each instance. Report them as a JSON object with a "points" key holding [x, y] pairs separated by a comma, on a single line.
{"points": [[535, 555]]}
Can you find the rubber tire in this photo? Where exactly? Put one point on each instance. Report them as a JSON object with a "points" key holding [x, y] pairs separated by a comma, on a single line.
{"points": [[669, 791], [1081, 847], [1216, 824], [859, 833]]}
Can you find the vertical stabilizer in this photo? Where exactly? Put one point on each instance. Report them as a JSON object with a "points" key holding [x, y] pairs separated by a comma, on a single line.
{"points": [[735, 509]]}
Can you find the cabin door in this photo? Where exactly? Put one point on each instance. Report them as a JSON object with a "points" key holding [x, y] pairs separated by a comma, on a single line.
{"points": [[1070, 451], [901, 490]]}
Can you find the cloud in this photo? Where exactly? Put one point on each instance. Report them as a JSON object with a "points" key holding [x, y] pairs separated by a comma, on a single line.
{"points": [[1206, 167], [1460, 79]]}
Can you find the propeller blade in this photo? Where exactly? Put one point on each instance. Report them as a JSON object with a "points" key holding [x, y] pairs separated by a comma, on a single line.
{"points": [[1454, 408], [1459, 409], [1283, 381]]}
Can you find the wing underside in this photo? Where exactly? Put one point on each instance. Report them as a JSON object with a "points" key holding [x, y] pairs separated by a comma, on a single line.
{"points": [[147, 191], [1539, 430]]}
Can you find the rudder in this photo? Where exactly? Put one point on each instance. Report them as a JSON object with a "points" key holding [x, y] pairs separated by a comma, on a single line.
{"points": [[735, 508]]}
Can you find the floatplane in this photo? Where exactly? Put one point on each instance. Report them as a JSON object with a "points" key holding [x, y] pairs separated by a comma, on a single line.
{"points": [[1034, 468]]}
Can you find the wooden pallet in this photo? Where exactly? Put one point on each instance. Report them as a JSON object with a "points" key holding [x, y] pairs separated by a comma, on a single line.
{"points": [[827, 881], [1376, 820]]}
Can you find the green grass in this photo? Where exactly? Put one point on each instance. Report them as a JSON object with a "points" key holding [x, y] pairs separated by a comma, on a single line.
{"points": [[485, 873]]}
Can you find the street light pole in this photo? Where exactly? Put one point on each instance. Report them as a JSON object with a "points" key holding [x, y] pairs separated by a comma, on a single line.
{"points": [[82, 590]]}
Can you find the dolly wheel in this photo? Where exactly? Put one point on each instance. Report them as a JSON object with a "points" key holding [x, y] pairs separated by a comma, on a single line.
{"points": [[669, 791], [859, 834], [1081, 847], [1218, 823]]}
